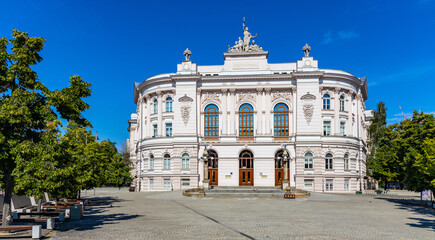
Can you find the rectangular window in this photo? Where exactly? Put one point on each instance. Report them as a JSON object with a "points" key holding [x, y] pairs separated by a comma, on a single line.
{"points": [[185, 183], [328, 163], [166, 184], [346, 163], [151, 163], [151, 185], [154, 130], [346, 185], [326, 128], [343, 128], [168, 129], [308, 184], [329, 185], [309, 162]]}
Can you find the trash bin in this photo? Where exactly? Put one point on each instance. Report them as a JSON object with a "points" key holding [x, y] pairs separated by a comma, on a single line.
{"points": [[76, 212], [358, 192]]}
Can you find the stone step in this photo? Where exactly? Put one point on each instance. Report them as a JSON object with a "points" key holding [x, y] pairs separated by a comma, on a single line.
{"points": [[213, 194], [245, 190]]}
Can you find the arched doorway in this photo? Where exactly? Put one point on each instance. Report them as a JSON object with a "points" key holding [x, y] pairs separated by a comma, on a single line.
{"points": [[246, 168], [279, 168], [213, 168]]}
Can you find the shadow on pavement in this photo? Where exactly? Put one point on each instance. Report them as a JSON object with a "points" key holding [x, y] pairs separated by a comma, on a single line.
{"points": [[416, 206], [94, 215]]}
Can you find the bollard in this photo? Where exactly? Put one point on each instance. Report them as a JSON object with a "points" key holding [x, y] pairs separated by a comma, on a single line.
{"points": [[36, 231], [67, 213], [50, 223], [61, 217]]}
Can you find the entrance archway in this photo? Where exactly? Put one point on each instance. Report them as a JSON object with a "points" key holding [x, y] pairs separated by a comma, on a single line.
{"points": [[213, 168], [279, 168], [246, 168]]}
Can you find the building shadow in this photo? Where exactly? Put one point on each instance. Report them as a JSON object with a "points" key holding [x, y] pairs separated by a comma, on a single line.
{"points": [[94, 215], [416, 206]]}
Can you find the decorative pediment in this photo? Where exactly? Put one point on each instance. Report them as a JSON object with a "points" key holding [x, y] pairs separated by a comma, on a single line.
{"points": [[308, 96], [185, 98]]}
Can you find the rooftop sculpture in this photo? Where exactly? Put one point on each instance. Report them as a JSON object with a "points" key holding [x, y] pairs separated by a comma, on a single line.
{"points": [[245, 44]]}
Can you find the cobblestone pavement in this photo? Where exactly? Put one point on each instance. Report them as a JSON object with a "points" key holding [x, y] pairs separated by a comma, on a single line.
{"points": [[119, 214]]}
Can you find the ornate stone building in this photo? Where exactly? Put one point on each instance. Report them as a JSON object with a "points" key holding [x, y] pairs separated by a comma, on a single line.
{"points": [[246, 121]]}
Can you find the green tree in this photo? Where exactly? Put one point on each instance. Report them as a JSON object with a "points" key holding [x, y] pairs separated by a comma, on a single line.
{"points": [[28, 109]]}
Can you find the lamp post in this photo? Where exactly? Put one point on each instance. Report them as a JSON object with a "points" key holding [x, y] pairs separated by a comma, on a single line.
{"points": [[205, 159], [285, 156]]}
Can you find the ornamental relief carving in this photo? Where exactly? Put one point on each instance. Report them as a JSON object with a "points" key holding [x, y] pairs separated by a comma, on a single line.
{"points": [[282, 94], [186, 105], [308, 106], [246, 96], [211, 96]]}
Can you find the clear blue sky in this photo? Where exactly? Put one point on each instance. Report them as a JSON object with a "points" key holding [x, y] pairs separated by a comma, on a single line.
{"points": [[113, 44]]}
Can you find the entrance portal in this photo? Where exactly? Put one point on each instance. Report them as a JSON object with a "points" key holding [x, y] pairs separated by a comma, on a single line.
{"points": [[213, 168], [279, 168], [246, 168]]}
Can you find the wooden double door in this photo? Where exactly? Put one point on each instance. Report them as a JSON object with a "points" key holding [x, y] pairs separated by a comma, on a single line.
{"points": [[246, 168], [213, 168]]}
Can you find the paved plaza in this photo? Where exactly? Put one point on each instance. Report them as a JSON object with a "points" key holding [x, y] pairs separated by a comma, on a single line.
{"points": [[118, 214]]}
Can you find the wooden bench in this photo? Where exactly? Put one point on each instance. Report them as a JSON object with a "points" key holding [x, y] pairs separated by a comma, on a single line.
{"points": [[36, 229]]}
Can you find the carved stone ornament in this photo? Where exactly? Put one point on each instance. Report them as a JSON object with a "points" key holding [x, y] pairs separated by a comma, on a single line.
{"points": [[306, 50], [282, 94], [246, 96], [308, 106], [245, 44], [185, 107], [210, 96], [187, 54]]}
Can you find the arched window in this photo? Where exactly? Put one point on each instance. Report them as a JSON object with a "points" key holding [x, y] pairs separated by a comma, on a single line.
{"points": [[246, 120], [346, 161], [246, 159], [280, 119], [279, 163], [342, 103], [151, 162], [308, 160], [168, 104], [328, 161], [155, 106], [166, 161], [213, 159], [185, 162], [326, 101], [211, 121]]}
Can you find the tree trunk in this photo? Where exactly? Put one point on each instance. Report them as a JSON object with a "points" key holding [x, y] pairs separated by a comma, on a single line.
{"points": [[7, 216]]}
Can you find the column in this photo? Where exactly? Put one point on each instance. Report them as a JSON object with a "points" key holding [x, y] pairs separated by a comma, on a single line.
{"points": [[259, 117], [263, 113], [223, 117], [268, 105], [147, 112], [337, 111], [159, 114], [232, 111]]}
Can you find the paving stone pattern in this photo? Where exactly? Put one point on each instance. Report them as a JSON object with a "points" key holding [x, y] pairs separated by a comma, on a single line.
{"points": [[118, 214]]}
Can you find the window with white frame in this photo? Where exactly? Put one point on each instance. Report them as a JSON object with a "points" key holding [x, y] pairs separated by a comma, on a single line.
{"points": [[166, 161], [166, 184], [168, 104], [154, 130], [346, 184], [342, 103], [328, 161], [326, 102], [185, 161], [346, 161], [151, 184], [185, 183], [155, 106], [329, 185], [151, 162], [326, 128], [308, 184], [343, 128], [309, 161], [168, 129]]}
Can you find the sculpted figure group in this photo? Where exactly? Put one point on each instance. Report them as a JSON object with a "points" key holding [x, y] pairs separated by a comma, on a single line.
{"points": [[245, 44]]}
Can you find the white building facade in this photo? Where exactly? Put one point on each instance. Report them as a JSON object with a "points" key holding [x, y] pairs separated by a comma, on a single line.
{"points": [[245, 122]]}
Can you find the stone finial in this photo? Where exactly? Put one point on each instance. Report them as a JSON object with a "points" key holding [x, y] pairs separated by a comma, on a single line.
{"points": [[187, 54], [306, 49]]}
